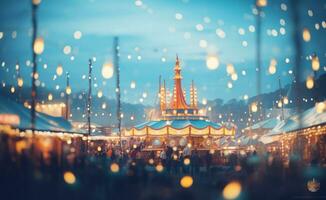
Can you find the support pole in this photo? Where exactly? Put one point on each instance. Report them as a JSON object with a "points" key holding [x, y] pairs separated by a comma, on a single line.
{"points": [[117, 69], [89, 98]]}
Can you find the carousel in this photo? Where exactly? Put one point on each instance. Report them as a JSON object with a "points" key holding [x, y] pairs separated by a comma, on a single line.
{"points": [[179, 124]]}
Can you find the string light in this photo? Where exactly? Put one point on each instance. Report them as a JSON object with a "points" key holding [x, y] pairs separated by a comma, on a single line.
{"points": [[306, 35], [39, 45], [315, 65], [310, 82], [232, 190], [69, 177]]}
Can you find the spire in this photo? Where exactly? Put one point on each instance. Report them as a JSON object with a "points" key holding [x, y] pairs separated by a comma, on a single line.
{"points": [[193, 95], [178, 99]]}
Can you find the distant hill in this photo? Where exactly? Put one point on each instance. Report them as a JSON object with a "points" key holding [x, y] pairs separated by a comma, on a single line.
{"points": [[233, 110]]}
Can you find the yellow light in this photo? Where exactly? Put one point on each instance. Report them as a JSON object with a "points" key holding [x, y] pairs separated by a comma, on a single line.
{"points": [[279, 104], [68, 90], [99, 148], [59, 70], [50, 97], [261, 3], [36, 2], [234, 76], [104, 106], [320, 107], [151, 161], [230, 69], [212, 62], [159, 168], [36, 75], [186, 161], [272, 66], [272, 69], [99, 94], [232, 190], [310, 82], [20, 82], [39, 46], [306, 35], [186, 181], [254, 107], [69, 177], [12, 89], [315, 65], [286, 100], [114, 168], [107, 70]]}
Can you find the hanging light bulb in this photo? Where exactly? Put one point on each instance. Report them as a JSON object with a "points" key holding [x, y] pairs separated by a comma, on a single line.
{"points": [[272, 66], [50, 97], [310, 82], [306, 35], [99, 94], [20, 82], [39, 45], [59, 70], [315, 65], [279, 104], [230, 69], [234, 76], [254, 107], [68, 90], [285, 100], [107, 70], [261, 3], [36, 2]]}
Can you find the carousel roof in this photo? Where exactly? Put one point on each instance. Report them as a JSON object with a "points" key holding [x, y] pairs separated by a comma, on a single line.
{"points": [[178, 124]]}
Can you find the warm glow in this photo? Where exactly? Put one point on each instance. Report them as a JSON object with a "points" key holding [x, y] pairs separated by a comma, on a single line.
{"points": [[286, 100], [20, 82], [320, 107], [306, 35], [315, 65], [261, 3], [107, 70], [230, 69], [254, 107], [50, 97], [279, 104], [114, 167], [99, 94], [68, 90], [310, 82], [232, 190], [186, 161], [159, 168], [69, 177], [12, 89], [186, 181], [212, 62], [39, 45], [272, 66], [272, 69], [59, 70], [36, 2], [234, 76]]}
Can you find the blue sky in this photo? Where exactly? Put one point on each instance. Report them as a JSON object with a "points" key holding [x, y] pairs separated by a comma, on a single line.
{"points": [[153, 32]]}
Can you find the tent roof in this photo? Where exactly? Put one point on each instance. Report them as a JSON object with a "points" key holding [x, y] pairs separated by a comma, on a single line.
{"points": [[309, 118], [43, 121]]}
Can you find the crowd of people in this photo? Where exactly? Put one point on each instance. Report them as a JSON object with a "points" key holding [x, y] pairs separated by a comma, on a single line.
{"points": [[139, 174]]}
